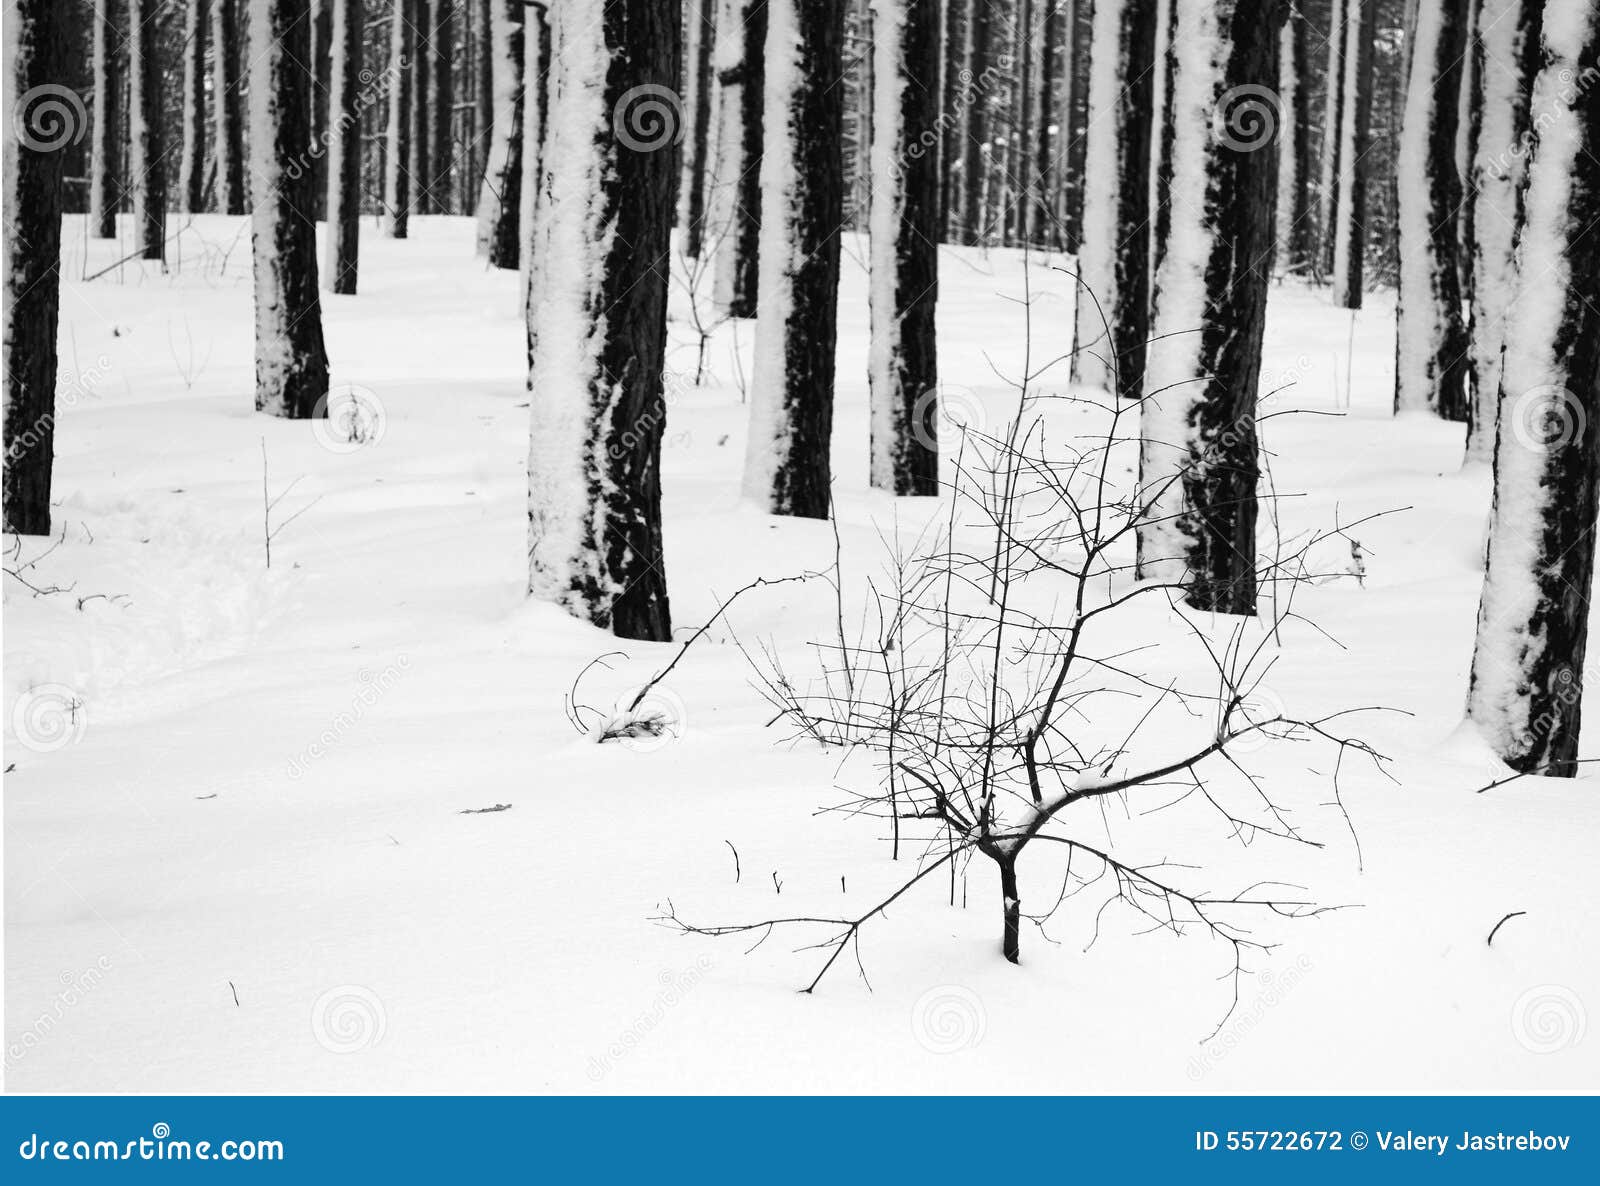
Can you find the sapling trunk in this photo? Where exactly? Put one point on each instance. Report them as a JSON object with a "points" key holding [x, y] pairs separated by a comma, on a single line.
{"points": [[1011, 902]]}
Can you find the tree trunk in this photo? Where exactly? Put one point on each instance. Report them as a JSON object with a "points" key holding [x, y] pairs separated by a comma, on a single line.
{"points": [[1075, 113], [1508, 52], [36, 43], [321, 100], [443, 96], [500, 201], [344, 155], [192, 113], [953, 88], [1161, 139], [787, 468], [1332, 122], [742, 40], [1113, 327], [424, 200], [903, 367], [483, 90], [597, 330], [702, 42], [1048, 138], [1295, 229], [1528, 667], [147, 157], [536, 50], [397, 181], [1198, 458], [975, 163], [229, 131], [291, 362], [104, 148], [1350, 228], [1011, 907], [1431, 347]]}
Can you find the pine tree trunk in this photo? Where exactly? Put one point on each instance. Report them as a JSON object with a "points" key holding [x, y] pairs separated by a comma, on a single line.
{"points": [[1198, 459], [192, 112], [1113, 326], [1431, 347], [597, 330], [500, 202], [483, 90], [1079, 24], [957, 34], [1508, 48], [903, 367], [104, 148], [397, 198], [36, 41], [424, 201], [536, 50], [1350, 229], [975, 162], [743, 38], [443, 95], [146, 153], [787, 467], [1295, 232], [291, 361], [321, 100], [1528, 666], [228, 133], [1332, 121], [1021, 138], [344, 150], [1047, 136], [702, 42], [1161, 139]]}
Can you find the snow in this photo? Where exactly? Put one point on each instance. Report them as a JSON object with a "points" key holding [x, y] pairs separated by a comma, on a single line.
{"points": [[182, 914]]}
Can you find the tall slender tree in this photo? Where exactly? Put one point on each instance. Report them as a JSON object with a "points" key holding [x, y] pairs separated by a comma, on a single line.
{"points": [[1360, 18], [397, 187], [701, 35], [598, 320], [422, 167], [321, 100], [1332, 161], [787, 468], [443, 94], [36, 60], [228, 133], [105, 148], [146, 145], [903, 364], [291, 360], [736, 199], [1113, 310], [1295, 229], [1198, 459], [1507, 49], [1526, 695], [499, 202], [192, 110], [1431, 347], [481, 37], [975, 159], [536, 51], [342, 269]]}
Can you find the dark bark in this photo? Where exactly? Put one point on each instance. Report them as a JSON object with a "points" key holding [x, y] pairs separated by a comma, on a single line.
{"points": [[1052, 65], [105, 148], [1349, 256], [1162, 136], [344, 156], [705, 14], [1011, 908], [442, 95], [1075, 116], [1332, 118], [147, 153], [791, 475], [500, 202], [747, 87], [37, 36], [482, 89], [957, 28], [424, 200], [1130, 328], [975, 162], [397, 197], [321, 100], [228, 132], [192, 111], [291, 360]]}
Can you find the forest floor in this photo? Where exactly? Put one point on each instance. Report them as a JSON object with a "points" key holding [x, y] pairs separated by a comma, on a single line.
{"points": [[260, 861]]}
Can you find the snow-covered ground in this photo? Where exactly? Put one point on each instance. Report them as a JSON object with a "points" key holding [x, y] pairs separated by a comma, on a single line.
{"points": [[257, 860]]}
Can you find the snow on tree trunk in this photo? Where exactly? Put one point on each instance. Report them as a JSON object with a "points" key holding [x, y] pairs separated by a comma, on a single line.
{"points": [[1350, 208], [1161, 140], [904, 240], [1431, 359], [46, 116], [1528, 665], [1508, 47], [291, 362], [787, 466], [1198, 458], [344, 148], [482, 37], [500, 200], [397, 158], [702, 42], [192, 112], [228, 134], [741, 73], [1113, 327], [598, 323], [106, 143], [146, 154], [975, 161], [536, 51]]}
